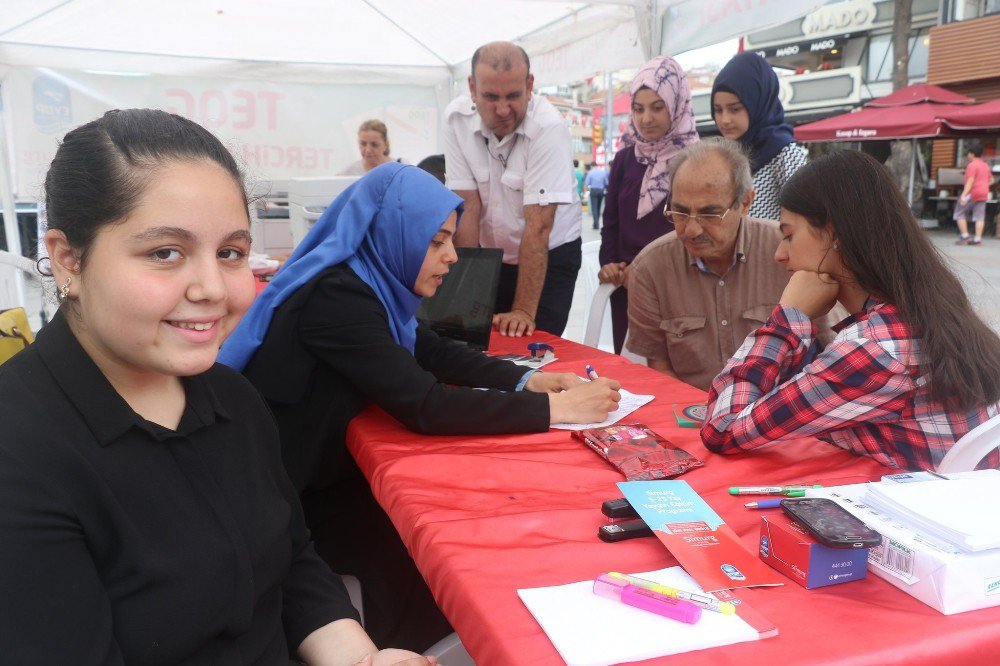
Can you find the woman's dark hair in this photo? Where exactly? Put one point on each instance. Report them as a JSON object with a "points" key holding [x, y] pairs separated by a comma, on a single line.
{"points": [[891, 257], [434, 165], [102, 168]]}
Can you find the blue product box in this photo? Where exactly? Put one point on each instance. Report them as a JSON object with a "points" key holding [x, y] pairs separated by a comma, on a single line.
{"points": [[786, 546]]}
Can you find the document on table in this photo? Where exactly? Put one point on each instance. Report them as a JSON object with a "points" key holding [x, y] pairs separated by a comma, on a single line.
{"points": [[628, 404], [960, 511], [588, 630], [525, 360]]}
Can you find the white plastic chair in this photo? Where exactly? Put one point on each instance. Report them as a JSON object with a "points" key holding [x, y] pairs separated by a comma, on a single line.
{"points": [[450, 652], [590, 266], [14, 269], [597, 330], [598, 314], [971, 449], [353, 586], [10, 265]]}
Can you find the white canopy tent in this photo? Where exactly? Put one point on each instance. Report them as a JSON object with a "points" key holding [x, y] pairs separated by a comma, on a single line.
{"points": [[340, 41], [286, 82]]}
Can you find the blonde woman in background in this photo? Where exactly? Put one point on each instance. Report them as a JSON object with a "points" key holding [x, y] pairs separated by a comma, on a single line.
{"points": [[373, 144]]}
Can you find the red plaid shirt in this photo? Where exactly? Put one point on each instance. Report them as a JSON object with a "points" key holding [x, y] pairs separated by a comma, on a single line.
{"points": [[864, 392]]}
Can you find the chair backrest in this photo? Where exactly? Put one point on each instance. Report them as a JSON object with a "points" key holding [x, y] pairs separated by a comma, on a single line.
{"points": [[13, 268], [971, 449], [597, 312], [590, 266]]}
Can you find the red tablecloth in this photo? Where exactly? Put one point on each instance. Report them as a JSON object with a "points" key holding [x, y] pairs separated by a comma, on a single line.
{"points": [[485, 515]]}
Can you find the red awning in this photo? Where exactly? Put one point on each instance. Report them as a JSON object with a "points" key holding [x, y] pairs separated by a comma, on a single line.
{"points": [[921, 92], [977, 116], [916, 121], [912, 112]]}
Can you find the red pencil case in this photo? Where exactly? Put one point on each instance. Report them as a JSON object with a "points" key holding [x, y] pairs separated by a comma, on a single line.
{"points": [[638, 452]]}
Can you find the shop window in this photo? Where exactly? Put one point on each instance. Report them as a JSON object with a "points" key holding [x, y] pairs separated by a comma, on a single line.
{"points": [[880, 57]]}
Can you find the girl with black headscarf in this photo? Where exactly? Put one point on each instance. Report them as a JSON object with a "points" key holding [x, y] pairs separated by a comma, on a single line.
{"points": [[746, 108]]}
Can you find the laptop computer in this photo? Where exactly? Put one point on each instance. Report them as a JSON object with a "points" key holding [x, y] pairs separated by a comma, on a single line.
{"points": [[462, 308]]}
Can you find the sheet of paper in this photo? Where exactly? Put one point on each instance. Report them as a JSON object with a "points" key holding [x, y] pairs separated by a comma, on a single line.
{"points": [[527, 361], [628, 404], [962, 511], [589, 630]]}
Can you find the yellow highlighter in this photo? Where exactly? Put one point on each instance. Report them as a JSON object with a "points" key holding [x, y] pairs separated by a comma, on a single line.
{"points": [[702, 600]]}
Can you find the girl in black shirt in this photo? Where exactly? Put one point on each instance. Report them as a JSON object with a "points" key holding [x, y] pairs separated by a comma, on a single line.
{"points": [[145, 516]]}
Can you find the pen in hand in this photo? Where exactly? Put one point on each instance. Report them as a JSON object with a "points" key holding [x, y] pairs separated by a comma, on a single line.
{"points": [[591, 373]]}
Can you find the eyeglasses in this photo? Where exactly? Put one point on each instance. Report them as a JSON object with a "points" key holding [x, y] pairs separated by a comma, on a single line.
{"points": [[706, 220]]}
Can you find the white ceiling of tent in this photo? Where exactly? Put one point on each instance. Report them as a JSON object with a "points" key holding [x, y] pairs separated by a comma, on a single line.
{"points": [[420, 33], [419, 42]]}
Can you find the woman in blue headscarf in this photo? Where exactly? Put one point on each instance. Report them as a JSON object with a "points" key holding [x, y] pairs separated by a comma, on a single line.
{"points": [[746, 108], [335, 330]]}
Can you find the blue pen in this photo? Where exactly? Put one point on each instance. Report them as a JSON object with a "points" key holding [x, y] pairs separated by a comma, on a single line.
{"points": [[764, 504], [591, 373]]}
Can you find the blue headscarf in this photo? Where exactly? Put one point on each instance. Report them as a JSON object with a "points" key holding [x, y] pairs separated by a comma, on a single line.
{"points": [[750, 77], [381, 226]]}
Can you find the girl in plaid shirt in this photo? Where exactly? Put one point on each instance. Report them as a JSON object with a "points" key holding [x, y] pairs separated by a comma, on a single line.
{"points": [[913, 368]]}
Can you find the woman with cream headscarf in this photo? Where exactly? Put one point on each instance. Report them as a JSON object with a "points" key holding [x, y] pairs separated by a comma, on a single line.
{"points": [[662, 125]]}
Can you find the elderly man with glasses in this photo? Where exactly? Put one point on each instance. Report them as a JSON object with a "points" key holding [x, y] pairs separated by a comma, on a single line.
{"points": [[695, 293]]}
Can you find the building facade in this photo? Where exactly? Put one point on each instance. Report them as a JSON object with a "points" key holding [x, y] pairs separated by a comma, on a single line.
{"points": [[836, 58]]}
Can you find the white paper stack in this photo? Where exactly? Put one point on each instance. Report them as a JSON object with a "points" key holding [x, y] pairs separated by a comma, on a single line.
{"points": [[589, 630], [962, 512]]}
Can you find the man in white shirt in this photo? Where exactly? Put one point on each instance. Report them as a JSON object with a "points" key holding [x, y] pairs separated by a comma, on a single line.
{"points": [[508, 154]]}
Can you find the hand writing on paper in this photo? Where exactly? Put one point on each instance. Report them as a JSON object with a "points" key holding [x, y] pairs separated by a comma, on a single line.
{"points": [[552, 382], [588, 402], [815, 294]]}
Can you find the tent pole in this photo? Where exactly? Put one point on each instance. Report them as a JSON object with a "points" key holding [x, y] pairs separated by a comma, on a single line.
{"points": [[913, 164], [608, 111], [9, 209]]}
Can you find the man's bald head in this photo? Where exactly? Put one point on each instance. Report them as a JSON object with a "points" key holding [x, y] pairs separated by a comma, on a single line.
{"points": [[500, 57], [500, 86]]}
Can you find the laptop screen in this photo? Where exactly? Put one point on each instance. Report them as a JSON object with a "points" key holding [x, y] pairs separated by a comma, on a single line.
{"points": [[462, 308]]}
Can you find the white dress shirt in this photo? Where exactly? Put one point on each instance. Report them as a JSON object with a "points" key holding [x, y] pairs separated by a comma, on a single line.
{"points": [[532, 165]]}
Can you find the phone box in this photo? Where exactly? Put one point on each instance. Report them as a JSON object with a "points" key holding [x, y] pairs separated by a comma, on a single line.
{"points": [[934, 572], [791, 549]]}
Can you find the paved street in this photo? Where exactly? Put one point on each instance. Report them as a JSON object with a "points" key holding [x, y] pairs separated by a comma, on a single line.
{"points": [[979, 269]]}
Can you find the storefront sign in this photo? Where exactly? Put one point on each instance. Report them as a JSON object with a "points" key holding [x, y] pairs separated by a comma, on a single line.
{"points": [[817, 46], [856, 133], [839, 18]]}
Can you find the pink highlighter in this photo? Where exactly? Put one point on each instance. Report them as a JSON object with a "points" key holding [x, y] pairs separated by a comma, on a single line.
{"points": [[647, 600]]}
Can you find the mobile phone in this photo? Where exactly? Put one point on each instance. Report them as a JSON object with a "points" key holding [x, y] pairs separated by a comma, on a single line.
{"points": [[830, 523]]}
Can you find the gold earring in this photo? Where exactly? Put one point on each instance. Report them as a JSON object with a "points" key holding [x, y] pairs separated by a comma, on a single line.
{"points": [[64, 289]]}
